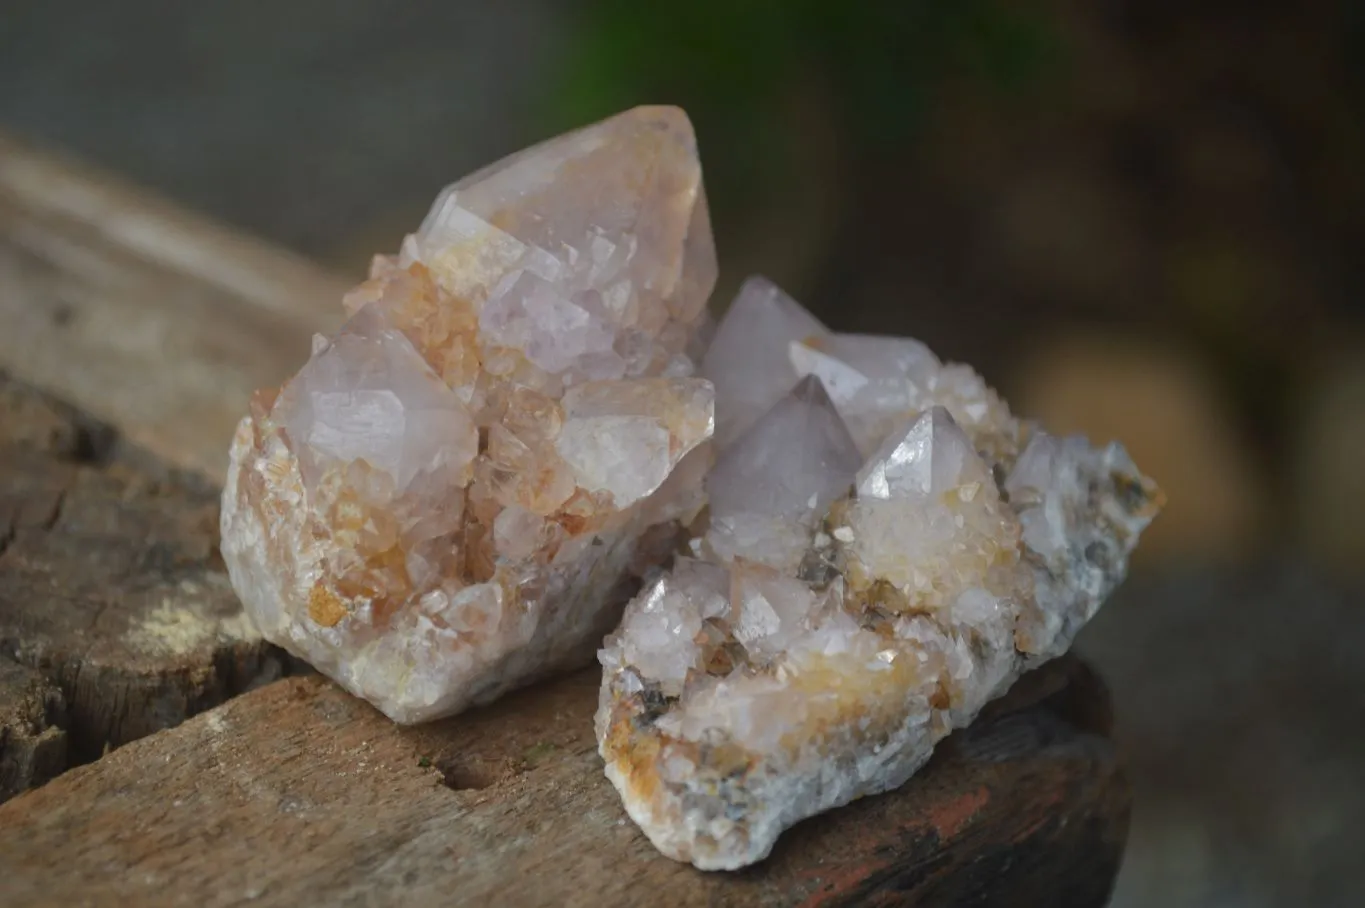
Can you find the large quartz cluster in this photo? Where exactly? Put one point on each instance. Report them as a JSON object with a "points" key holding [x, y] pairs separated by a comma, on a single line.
{"points": [[885, 550], [447, 499]]}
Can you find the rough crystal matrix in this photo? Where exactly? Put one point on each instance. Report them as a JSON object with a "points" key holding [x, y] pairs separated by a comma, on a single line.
{"points": [[445, 500], [886, 550]]}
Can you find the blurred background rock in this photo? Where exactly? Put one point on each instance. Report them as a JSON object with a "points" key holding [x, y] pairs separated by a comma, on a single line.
{"points": [[1141, 219]]}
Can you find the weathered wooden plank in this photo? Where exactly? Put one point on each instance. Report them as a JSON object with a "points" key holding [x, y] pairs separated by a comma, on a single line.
{"points": [[300, 794], [150, 318], [161, 323], [111, 587]]}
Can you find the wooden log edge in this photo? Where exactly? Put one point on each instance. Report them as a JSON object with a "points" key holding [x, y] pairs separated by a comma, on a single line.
{"points": [[298, 793]]}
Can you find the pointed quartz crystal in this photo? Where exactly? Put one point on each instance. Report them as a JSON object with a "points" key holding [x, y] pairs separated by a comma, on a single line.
{"points": [[368, 395], [594, 213], [767, 342], [847, 614], [929, 458], [440, 505], [749, 360], [873, 380], [772, 484], [927, 518]]}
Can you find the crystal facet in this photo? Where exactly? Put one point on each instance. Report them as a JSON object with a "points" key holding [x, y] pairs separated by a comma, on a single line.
{"points": [[766, 342], [768, 491], [847, 610], [748, 360], [440, 505]]}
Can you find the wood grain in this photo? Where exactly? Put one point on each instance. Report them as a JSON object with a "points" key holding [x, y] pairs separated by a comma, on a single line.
{"points": [[300, 794], [113, 596], [145, 316], [32, 735]]}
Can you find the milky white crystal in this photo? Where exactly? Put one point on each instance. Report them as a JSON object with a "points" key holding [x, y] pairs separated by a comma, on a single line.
{"points": [[446, 499], [886, 550]]}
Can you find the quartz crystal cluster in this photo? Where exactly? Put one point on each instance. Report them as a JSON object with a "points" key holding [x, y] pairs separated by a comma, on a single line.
{"points": [[886, 548], [450, 496], [521, 416]]}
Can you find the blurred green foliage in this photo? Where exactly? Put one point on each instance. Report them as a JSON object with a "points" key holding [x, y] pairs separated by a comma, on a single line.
{"points": [[738, 66]]}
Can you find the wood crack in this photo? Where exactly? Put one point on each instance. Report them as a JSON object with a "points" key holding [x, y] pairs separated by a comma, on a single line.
{"points": [[110, 593]]}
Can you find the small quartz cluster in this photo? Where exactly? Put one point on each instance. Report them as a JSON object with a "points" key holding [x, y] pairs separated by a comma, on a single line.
{"points": [[886, 548], [451, 496]]}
